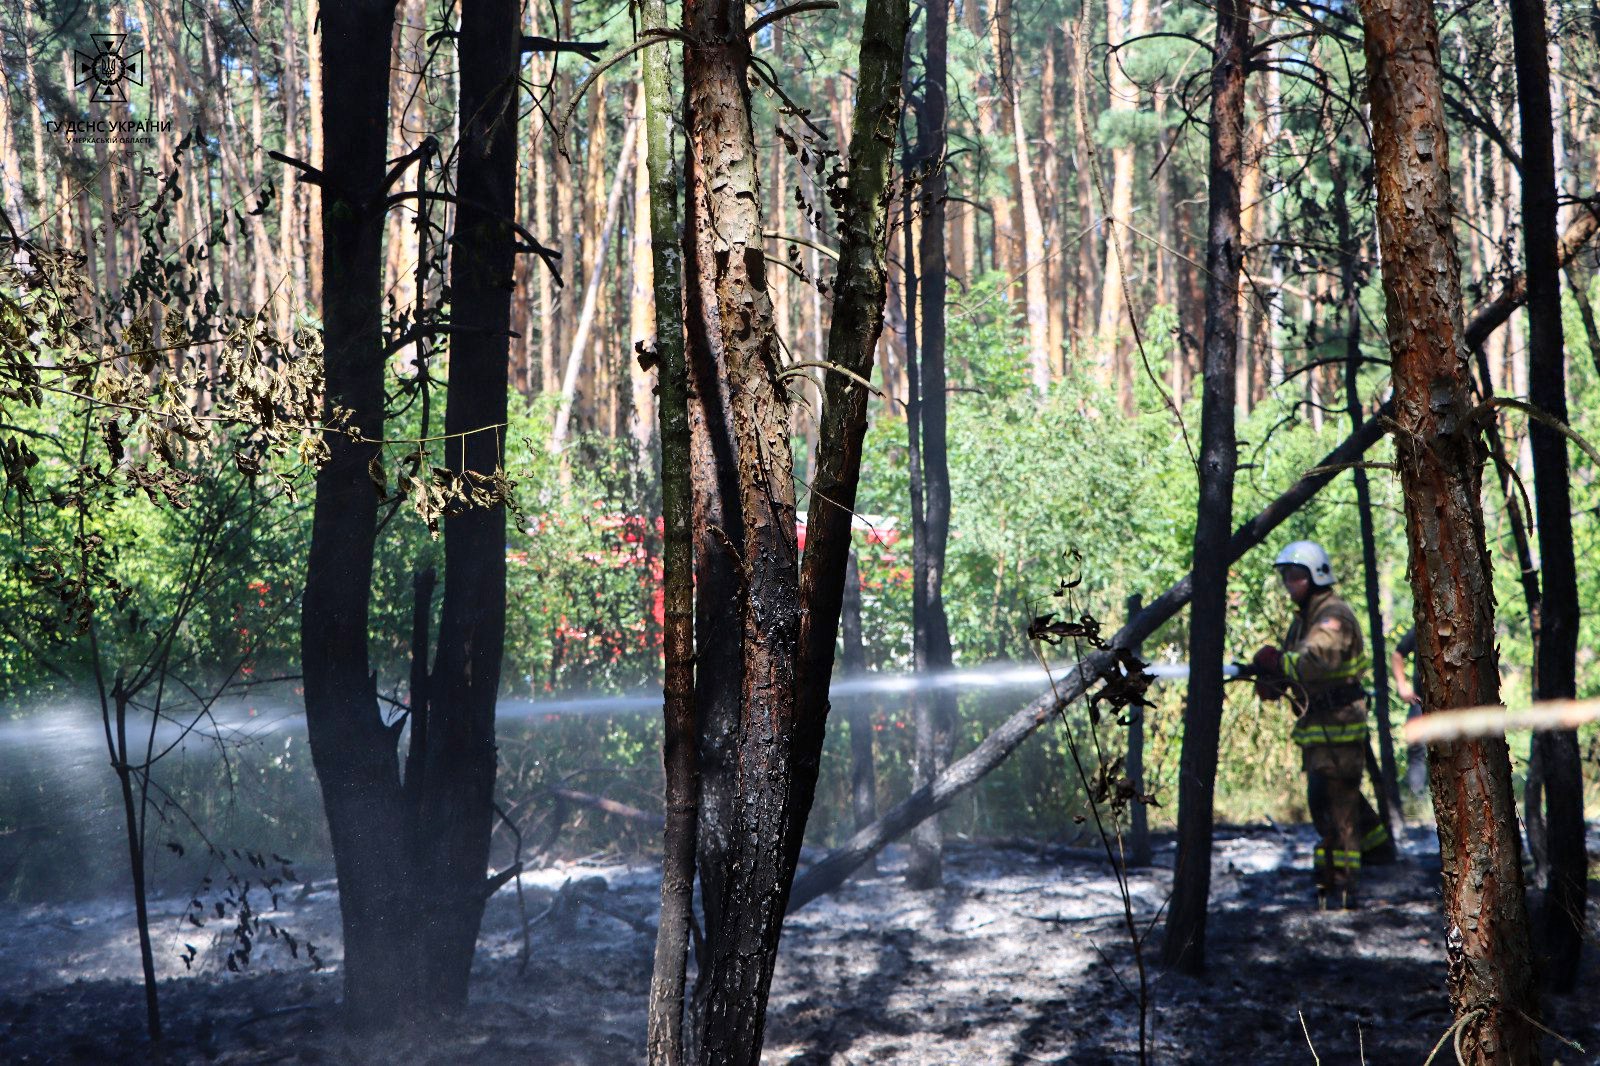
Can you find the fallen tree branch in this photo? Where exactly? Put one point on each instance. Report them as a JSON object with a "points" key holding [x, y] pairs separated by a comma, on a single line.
{"points": [[609, 806], [830, 871]]}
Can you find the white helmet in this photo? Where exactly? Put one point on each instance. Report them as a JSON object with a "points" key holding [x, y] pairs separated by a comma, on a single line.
{"points": [[1309, 554]]}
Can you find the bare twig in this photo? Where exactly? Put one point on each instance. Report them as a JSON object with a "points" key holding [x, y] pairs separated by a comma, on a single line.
{"points": [[1314, 1056]]}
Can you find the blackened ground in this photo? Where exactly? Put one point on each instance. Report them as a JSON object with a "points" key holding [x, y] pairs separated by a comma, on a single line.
{"points": [[1023, 957]]}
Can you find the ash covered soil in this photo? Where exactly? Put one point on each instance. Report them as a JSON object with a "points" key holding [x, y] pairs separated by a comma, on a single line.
{"points": [[1022, 957]]}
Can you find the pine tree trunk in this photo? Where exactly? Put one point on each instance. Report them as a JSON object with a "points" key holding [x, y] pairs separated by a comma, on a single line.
{"points": [[730, 311], [935, 709], [994, 94], [352, 749], [678, 739], [1118, 267], [290, 255], [642, 326], [1562, 920], [1350, 281], [1185, 944], [593, 292], [315, 152], [1032, 264], [1440, 455], [761, 729]]}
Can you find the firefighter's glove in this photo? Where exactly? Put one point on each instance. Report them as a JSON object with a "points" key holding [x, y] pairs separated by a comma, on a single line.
{"points": [[1268, 666]]}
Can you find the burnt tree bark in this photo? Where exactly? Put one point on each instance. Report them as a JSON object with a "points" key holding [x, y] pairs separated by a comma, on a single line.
{"points": [[735, 357], [1184, 946], [935, 708], [1440, 453], [411, 854], [455, 797], [353, 750], [768, 640], [1555, 677]]}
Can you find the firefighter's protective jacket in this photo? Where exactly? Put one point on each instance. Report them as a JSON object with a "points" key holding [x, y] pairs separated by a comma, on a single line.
{"points": [[1326, 662]]}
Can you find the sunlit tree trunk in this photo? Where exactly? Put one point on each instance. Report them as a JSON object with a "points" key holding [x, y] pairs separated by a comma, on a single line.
{"points": [[1118, 267], [12, 192], [314, 153], [1440, 455], [993, 95], [1185, 944], [291, 255], [1057, 264], [642, 326], [1029, 224]]}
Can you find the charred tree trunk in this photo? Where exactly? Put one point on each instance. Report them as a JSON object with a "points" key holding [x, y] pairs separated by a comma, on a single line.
{"points": [[411, 856], [761, 728], [1440, 455], [1562, 919], [1138, 853], [353, 750], [1184, 947], [456, 794], [730, 314], [935, 709], [678, 738]]}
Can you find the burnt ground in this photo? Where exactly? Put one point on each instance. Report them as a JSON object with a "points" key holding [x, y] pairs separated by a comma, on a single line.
{"points": [[1021, 958]]}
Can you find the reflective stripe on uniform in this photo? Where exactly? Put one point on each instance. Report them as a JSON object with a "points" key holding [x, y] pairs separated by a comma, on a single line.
{"points": [[1355, 668], [1341, 860], [1308, 735], [1376, 837]]}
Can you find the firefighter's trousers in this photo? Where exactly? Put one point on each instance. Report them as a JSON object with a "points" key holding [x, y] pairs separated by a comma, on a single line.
{"points": [[1346, 823]]}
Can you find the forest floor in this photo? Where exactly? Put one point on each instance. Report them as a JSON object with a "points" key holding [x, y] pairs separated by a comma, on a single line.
{"points": [[1021, 958]]}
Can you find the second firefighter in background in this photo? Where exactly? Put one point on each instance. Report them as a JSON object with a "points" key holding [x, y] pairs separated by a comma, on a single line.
{"points": [[1322, 669]]}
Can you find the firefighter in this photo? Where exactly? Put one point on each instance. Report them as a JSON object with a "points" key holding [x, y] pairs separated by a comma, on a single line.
{"points": [[1321, 668]]}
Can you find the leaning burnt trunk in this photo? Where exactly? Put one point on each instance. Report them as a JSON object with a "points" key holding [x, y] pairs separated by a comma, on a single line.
{"points": [[455, 796], [353, 751], [1440, 451], [1184, 947], [1555, 678]]}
